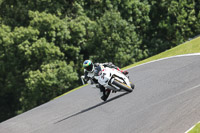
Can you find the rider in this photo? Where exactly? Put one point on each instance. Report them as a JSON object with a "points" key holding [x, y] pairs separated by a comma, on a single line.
{"points": [[91, 70]]}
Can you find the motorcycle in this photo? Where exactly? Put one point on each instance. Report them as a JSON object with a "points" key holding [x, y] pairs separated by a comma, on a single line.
{"points": [[113, 79]]}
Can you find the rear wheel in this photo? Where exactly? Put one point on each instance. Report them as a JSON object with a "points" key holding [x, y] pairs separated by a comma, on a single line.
{"points": [[122, 86]]}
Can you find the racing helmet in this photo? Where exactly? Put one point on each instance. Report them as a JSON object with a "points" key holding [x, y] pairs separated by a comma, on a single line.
{"points": [[88, 65]]}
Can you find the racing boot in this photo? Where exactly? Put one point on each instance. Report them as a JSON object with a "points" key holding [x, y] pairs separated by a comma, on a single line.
{"points": [[106, 94], [124, 72], [114, 91]]}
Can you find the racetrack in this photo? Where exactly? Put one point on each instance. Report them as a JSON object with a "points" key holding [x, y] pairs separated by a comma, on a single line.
{"points": [[166, 100]]}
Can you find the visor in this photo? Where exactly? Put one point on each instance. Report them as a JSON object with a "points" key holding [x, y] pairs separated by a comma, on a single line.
{"points": [[90, 67]]}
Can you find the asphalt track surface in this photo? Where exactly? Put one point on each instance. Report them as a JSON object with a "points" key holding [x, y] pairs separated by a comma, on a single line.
{"points": [[166, 100]]}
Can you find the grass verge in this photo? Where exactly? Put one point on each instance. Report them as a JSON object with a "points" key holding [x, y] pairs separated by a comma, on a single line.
{"points": [[196, 129], [188, 47], [70, 91]]}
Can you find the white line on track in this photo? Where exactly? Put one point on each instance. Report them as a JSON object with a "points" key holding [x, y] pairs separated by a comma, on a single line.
{"points": [[184, 55], [171, 97], [190, 89], [191, 128]]}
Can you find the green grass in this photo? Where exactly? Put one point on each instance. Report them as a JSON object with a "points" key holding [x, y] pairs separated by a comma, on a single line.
{"points": [[196, 129], [70, 91], [189, 47]]}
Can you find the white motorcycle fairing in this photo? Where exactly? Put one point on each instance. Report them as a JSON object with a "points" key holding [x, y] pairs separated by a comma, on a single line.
{"points": [[113, 79]]}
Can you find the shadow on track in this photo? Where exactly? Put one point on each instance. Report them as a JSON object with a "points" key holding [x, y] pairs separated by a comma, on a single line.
{"points": [[93, 107]]}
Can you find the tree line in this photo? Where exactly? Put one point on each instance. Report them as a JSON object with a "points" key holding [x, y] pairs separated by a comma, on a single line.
{"points": [[43, 43]]}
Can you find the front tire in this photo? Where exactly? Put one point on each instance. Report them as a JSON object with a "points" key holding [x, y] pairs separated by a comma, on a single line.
{"points": [[122, 86], [132, 85]]}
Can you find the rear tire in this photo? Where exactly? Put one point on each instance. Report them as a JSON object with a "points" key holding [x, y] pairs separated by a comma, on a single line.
{"points": [[122, 86]]}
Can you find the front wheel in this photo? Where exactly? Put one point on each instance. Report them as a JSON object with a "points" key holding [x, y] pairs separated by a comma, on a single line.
{"points": [[122, 86], [132, 85]]}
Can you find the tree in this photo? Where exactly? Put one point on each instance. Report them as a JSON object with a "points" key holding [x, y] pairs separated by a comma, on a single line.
{"points": [[26, 61], [47, 74], [49, 81], [9, 75], [16, 12], [43, 43], [69, 34], [114, 40], [172, 22]]}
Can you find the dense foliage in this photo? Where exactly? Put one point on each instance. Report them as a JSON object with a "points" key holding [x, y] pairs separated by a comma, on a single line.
{"points": [[43, 43]]}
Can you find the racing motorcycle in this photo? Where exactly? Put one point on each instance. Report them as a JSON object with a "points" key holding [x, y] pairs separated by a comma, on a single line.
{"points": [[113, 79]]}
